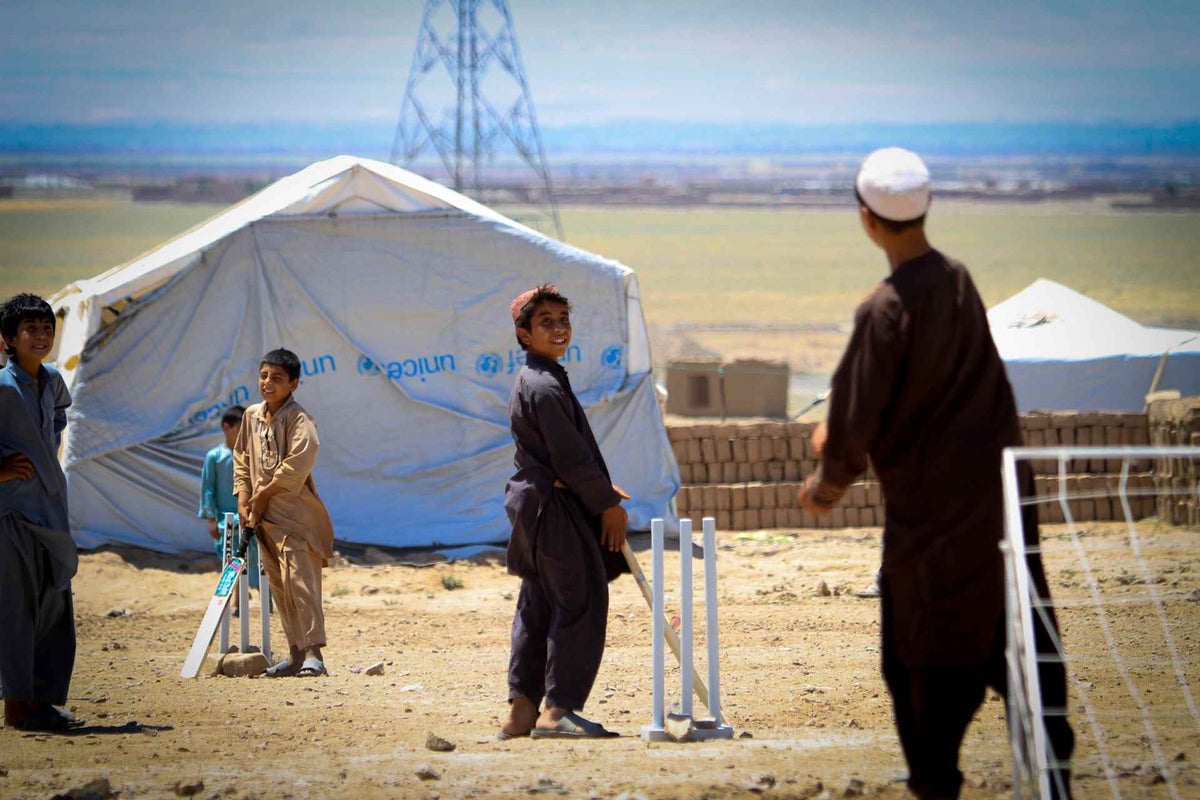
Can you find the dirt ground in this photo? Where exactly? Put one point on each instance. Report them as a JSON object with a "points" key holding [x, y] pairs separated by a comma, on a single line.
{"points": [[800, 684]]}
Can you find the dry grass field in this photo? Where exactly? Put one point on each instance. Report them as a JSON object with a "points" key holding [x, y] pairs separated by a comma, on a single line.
{"points": [[749, 269], [702, 265]]}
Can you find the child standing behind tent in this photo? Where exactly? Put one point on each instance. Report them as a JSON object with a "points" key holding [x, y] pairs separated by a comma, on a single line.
{"points": [[216, 490], [565, 515], [37, 554], [273, 459]]}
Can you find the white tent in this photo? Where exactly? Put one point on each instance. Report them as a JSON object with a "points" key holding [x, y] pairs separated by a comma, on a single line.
{"points": [[1065, 351], [394, 292]]}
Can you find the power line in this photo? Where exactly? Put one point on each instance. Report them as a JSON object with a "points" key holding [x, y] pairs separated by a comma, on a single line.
{"points": [[470, 42]]}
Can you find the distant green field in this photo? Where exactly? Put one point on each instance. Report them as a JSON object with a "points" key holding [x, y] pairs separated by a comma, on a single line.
{"points": [[759, 265], [719, 264], [44, 245]]}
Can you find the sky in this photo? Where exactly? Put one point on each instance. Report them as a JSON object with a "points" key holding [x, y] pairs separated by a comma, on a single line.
{"points": [[603, 63]]}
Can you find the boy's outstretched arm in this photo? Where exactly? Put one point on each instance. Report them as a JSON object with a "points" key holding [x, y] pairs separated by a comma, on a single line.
{"points": [[861, 388]]}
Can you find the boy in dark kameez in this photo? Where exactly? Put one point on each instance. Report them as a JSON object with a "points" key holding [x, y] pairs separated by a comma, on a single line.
{"points": [[922, 391], [37, 554], [568, 528]]}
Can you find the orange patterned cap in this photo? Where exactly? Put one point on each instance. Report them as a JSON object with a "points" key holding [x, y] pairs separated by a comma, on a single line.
{"points": [[520, 301]]}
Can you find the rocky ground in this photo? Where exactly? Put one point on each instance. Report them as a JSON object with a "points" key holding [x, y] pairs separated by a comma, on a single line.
{"points": [[799, 681]]}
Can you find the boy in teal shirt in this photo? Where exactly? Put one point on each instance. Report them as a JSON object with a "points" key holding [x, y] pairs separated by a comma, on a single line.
{"points": [[216, 490]]}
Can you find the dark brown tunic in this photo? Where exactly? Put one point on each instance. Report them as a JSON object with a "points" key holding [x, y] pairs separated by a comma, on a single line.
{"points": [[554, 442], [554, 501], [922, 391]]}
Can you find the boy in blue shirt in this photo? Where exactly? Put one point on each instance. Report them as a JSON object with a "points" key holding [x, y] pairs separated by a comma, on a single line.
{"points": [[216, 491], [37, 554]]}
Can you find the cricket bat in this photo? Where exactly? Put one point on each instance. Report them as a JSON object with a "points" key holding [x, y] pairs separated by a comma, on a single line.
{"points": [[233, 570]]}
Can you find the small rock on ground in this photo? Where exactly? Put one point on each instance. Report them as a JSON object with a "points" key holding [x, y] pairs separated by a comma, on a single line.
{"points": [[438, 744], [97, 789], [547, 786], [243, 665], [679, 727], [188, 789]]}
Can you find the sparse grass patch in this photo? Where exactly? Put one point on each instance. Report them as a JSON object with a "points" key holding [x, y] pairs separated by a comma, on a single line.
{"points": [[709, 264]]}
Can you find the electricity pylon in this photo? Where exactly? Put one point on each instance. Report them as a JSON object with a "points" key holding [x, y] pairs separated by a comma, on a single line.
{"points": [[458, 121]]}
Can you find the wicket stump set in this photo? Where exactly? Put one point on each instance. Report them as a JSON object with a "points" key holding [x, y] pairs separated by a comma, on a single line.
{"points": [[714, 728], [243, 589]]}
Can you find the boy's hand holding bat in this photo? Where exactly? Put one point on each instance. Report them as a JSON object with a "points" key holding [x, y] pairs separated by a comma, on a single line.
{"points": [[819, 435], [613, 522]]}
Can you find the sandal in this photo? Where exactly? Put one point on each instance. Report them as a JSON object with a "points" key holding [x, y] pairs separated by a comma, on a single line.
{"points": [[312, 668], [45, 718], [283, 669], [573, 726]]}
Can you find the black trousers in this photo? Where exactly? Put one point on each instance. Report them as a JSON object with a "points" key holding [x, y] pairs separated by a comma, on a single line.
{"points": [[37, 639], [561, 620], [934, 705]]}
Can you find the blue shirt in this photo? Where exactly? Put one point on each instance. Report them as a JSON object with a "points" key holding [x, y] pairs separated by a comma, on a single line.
{"points": [[32, 422], [216, 485]]}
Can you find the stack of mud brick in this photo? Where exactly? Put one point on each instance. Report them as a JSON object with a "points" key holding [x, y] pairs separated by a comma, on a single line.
{"points": [[747, 475], [1091, 486], [1176, 423]]}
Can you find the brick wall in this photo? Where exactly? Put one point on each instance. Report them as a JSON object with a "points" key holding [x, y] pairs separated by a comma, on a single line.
{"points": [[747, 475], [1176, 423]]}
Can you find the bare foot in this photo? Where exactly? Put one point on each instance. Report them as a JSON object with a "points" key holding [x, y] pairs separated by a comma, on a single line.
{"points": [[550, 717], [522, 714]]}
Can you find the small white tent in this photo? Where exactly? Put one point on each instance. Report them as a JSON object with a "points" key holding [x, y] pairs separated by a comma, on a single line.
{"points": [[1065, 351], [394, 292]]}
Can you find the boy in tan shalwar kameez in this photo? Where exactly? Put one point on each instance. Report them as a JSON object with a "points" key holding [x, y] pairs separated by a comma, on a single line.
{"points": [[273, 459]]}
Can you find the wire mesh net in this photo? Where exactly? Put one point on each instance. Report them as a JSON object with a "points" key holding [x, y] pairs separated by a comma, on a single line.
{"points": [[1120, 557]]}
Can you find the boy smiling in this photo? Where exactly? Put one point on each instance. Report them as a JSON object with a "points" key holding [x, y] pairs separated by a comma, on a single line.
{"points": [[568, 527], [273, 459], [37, 554]]}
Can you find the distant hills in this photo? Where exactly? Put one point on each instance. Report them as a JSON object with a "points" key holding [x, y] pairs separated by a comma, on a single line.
{"points": [[303, 142]]}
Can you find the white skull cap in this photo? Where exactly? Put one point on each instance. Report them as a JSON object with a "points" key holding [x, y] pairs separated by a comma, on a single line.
{"points": [[894, 183]]}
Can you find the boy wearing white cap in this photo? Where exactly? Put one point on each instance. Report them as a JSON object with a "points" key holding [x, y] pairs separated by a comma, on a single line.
{"points": [[923, 393]]}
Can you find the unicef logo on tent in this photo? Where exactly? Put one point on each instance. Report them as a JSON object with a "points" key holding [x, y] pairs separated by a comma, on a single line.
{"points": [[489, 364], [611, 357], [368, 367]]}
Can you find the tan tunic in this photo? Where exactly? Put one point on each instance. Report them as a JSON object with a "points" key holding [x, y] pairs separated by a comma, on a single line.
{"points": [[283, 451]]}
